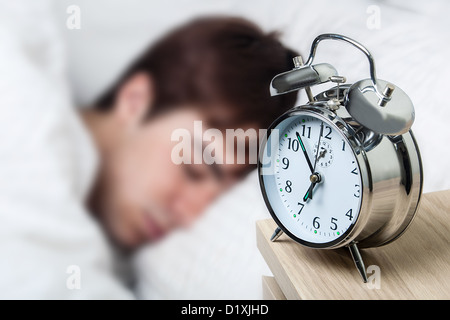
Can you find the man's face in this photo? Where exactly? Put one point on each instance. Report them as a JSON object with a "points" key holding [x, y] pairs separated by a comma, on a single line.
{"points": [[144, 194]]}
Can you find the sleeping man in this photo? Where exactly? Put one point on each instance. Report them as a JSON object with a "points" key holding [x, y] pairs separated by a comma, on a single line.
{"points": [[75, 184]]}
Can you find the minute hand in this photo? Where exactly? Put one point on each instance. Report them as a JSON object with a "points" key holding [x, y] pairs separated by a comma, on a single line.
{"points": [[318, 147], [309, 193], [304, 152]]}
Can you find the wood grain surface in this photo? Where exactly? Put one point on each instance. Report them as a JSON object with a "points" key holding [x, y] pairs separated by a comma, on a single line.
{"points": [[271, 289], [416, 266]]}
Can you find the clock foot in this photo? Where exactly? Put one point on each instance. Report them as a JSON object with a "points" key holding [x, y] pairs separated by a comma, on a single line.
{"points": [[276, 234], [359, 263]]}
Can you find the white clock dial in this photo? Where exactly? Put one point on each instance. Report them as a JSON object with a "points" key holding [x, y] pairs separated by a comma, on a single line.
{"points": [[327, 216]]}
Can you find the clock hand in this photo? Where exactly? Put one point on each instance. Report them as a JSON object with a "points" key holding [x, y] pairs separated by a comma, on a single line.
{"points": [[322, 154], [309, 193], [304, 152], [318, 145], [314, 178]]}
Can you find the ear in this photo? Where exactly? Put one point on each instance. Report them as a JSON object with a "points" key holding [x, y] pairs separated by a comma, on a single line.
{"points": [[134, 99]]}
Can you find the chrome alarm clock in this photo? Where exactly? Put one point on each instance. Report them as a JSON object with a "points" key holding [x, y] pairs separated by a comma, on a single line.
{"points": [[343, 170]]}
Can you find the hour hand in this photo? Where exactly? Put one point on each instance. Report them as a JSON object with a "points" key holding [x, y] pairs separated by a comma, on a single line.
{"points": [[304, 152], [309, 193], [314, 178]]}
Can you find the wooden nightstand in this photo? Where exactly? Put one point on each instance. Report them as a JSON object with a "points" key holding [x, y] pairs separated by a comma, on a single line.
{"points": [[416, 266]]}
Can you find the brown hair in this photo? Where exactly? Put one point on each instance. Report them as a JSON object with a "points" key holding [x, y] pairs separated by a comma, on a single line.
{"points": [[224, 63]]}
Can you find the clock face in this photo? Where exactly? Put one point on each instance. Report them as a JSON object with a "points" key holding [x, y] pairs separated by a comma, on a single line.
{"points": [[311, 179]]}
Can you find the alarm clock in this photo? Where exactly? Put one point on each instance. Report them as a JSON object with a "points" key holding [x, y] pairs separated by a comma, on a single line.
{"points": [[343, 170]]}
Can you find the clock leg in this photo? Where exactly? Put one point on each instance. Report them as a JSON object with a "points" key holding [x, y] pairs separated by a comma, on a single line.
{"points": [[359, 263], [276, 234]]}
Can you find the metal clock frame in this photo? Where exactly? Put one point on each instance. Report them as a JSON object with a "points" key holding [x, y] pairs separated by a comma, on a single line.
{"points": [[377, 223], [332, 119]]}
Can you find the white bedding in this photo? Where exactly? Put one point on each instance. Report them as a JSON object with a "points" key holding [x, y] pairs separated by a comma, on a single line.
{"points": [[50, 246], [218, 258]]}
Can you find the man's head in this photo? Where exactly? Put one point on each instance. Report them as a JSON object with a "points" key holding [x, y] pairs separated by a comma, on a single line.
{"points": [[216, 70]]}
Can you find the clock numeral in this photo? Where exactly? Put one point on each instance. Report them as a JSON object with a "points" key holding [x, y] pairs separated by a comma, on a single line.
{"points": [[333, 222], [288, 187], [285, 162], [343, 145], [349, 214], [293, 144], [307, 129], [327, 136], [301, 208], [358, 191], [354, 171], [316, 223]]}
